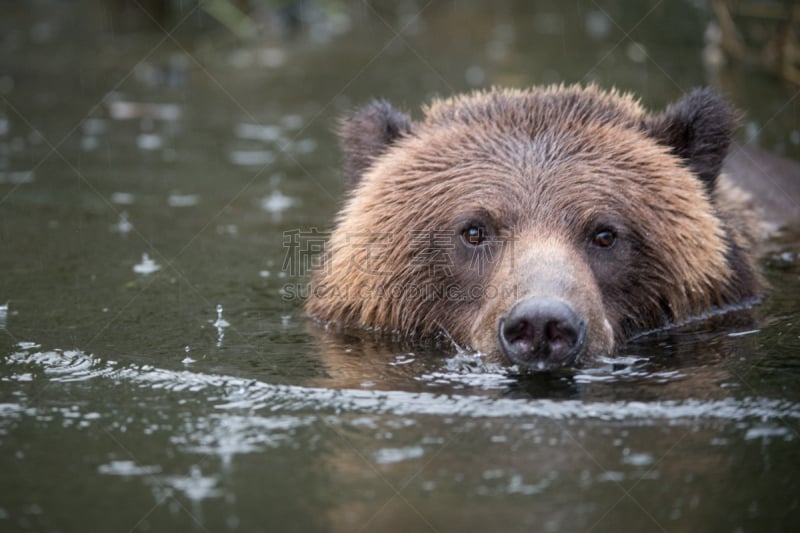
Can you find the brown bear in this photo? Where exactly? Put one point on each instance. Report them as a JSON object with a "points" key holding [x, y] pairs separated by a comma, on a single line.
{"points": [[541, 226]]}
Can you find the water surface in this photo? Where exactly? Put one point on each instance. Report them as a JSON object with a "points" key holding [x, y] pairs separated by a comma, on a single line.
{"points": [[154, 375]]}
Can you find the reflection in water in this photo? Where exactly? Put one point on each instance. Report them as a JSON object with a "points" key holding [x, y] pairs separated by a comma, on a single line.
{"points": [[421, 441], [701, 360]]}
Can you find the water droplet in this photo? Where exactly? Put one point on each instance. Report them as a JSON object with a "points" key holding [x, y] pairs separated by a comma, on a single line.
{"points": [[257, 132], [228, 229], [94, 126], [597, 24], [147, 266], [292, 122], [182, 200], [122, 198], [276, 202], [305, 146], [122, 110], [122, 226], [149, 141], [89, 143], [251, 158], [220, 322]]}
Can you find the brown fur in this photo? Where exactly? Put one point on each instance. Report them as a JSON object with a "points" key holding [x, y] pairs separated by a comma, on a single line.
{"points": [[543, 169]]}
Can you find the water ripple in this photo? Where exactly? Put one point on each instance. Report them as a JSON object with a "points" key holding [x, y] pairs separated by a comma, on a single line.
{"points": [[234, 393]]}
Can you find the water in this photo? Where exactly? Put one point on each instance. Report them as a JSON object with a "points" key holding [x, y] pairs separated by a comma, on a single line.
{"points": [[155, 375]]}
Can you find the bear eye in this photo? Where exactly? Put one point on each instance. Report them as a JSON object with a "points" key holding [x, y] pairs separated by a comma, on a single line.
{"points": [[474, 235], [604, 238]]}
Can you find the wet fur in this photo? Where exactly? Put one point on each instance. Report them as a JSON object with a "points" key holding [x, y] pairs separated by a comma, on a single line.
{"points": [[543, 168]]}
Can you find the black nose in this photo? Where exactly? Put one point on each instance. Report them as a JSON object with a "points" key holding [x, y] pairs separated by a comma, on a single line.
{"points": [[542, 334]]}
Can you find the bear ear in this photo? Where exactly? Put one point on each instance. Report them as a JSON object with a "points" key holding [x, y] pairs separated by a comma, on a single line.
{"points": [[698, 128], [367, 133]]}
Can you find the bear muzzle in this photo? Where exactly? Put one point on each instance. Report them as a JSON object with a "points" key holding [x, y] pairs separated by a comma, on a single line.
{"points": [[542, 334]]}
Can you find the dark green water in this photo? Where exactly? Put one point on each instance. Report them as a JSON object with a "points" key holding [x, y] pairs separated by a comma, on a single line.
{"points": [[124, 407]]}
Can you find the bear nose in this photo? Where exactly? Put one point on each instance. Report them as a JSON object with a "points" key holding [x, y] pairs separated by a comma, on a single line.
{"points": [[542, 334]]}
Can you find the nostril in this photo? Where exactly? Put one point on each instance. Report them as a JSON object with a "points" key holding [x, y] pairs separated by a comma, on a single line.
{"points": [[518, 330], [520, 335], [542, 331], [559, 336]]}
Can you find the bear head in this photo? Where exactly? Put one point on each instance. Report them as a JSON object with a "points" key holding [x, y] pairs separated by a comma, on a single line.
{"points": [[542, 226]]}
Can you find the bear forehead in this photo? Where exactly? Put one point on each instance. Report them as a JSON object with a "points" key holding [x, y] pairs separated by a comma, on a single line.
{"points": [[577, 106], [561, 155], [519, 172], [547, 151], [558, 126], [532, 137]]}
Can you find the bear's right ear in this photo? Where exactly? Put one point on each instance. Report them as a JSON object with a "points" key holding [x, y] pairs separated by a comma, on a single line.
{"points": [[367, 133]]}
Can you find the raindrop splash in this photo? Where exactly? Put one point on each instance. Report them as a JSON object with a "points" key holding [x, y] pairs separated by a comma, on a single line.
{"points": [[147, 266], [122, 226], [220, 324], [187, 360], [277, 202]]}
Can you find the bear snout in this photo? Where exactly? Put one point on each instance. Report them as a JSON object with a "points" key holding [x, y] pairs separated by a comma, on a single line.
{"points": [[542, 333]]}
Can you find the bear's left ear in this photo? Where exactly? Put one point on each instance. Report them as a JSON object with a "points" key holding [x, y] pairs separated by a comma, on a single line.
{"points": [[367, 133], [698, 128]]}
